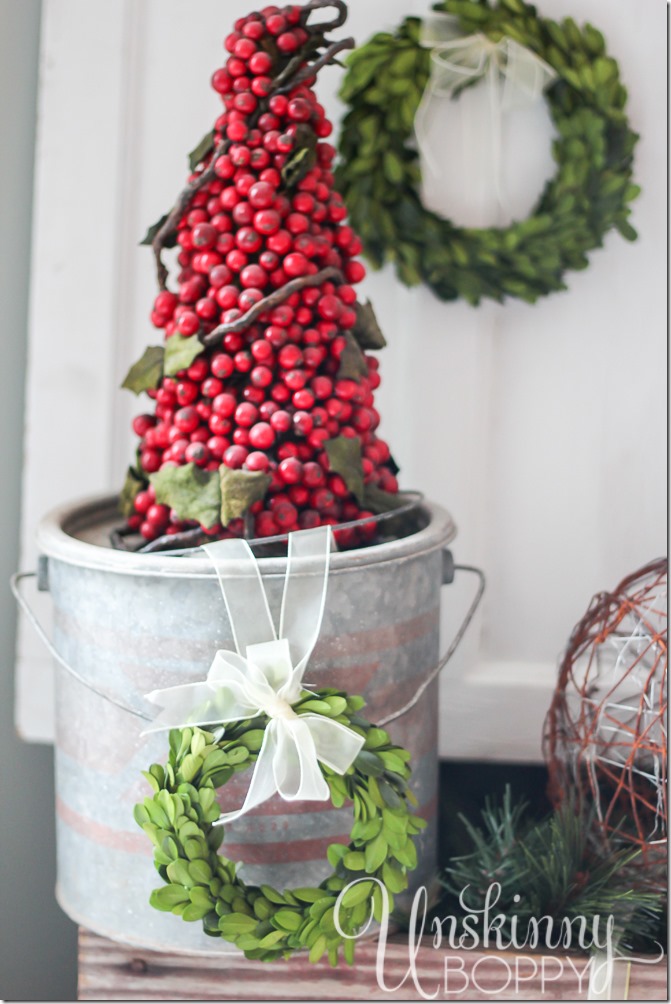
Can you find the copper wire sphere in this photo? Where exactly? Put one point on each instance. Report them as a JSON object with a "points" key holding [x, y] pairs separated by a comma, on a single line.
{"points": [[605, 733]]}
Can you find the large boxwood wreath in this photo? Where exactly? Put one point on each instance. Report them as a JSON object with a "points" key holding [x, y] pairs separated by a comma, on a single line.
{"points": [[589, 195]]}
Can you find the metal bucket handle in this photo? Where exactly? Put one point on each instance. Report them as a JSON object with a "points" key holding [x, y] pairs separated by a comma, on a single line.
{"points": [[449, 569]]}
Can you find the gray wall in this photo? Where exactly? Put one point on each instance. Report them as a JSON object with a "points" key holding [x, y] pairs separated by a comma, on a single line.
{"points": [[37, 941]]}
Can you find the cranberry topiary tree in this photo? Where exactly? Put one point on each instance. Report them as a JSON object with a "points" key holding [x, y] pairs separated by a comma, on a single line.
{"points": [[264, 420]]}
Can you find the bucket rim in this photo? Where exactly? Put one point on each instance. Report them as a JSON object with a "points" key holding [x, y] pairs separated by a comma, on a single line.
{"points": [[57, 538]]}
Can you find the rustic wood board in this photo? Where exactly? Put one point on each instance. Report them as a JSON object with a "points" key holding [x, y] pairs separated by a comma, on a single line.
{"points": [[111, 971]]}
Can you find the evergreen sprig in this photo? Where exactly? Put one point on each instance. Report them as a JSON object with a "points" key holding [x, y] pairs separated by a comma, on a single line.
{"points": [[554, 869]]}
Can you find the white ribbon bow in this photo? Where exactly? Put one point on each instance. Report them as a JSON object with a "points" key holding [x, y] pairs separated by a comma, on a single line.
{"points": [[268, 678], [515, 76]]}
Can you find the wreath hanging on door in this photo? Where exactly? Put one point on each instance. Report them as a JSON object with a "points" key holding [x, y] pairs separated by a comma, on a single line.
{"points": [[589, 195]]}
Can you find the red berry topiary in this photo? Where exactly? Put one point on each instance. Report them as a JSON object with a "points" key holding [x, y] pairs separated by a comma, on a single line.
{"points": [[264, 418]]}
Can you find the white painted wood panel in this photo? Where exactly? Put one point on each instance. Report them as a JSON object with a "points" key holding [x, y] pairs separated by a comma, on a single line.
{"points": [[542, 429]]}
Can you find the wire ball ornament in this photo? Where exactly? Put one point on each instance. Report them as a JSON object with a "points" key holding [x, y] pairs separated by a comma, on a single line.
{"points": [[605, 733]]}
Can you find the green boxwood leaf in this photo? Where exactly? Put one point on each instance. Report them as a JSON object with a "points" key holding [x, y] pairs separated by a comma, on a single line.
{"points": [[288, 920], [191, 492], [168, 896], [180, 353], [344, 455], [239, 490], [147, 372], [357, 894], [375, 854]]}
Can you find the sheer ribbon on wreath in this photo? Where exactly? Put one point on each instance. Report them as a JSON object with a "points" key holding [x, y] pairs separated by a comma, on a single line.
{"points": [[464, 140], [265, 674]]}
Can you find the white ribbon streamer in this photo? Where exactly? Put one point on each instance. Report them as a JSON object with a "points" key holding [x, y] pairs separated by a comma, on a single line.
{"points": [[268, 678], [515, 78]]}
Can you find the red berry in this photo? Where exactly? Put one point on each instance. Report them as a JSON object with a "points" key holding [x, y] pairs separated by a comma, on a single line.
{"points": [[285, 515], [257, 461], [142, 502], [253, 276], [197, 453], [261, 376], [235, 456], [281, 421], [187, 392], [224, 405], [267, 222], [142, 423], [260, 63], [261, 435], [276, 24], [291, 471], [187, 419], [299, 110], [295, 265], [198, 370], [221, 81], [303, 423], [222, 366], [288, 42], [246, 414], [150, 461], [188, 324]]}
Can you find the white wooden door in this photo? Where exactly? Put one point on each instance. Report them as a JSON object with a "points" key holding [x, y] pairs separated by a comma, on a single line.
{"points": [[542, 429]]}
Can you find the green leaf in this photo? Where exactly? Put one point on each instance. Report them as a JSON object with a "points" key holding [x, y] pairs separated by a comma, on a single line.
{"points": [[357, 894], [344, 455], [335, 853], [367, 330], [147, 372], [179, 873], [375, 854], [148, 239], [200, 871], [201, 151], [288, 920], [354, 861], [180, 353], [379, 501], [317, 949], [190, 491], [237, 923], [353, 363], [133, 485], [239, 490], [272, 939], [168, 896], [196, 911]]}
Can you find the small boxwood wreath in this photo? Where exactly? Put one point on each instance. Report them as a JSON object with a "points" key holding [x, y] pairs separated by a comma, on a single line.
{"points": [[379, 173], [202, 885]]}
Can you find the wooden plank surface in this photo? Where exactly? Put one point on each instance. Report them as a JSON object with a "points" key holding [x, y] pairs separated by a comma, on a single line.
{"points": [[111, 971]]}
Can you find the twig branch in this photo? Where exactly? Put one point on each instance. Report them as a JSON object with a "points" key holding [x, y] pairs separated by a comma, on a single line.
{"points": [[337, 22], [117, 539], [175, 541], [313, 68], [270, 301], [175, 214]]}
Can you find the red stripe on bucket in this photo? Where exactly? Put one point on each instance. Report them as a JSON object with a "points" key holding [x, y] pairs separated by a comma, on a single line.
{"points": [[266, 853], [98, 833]]}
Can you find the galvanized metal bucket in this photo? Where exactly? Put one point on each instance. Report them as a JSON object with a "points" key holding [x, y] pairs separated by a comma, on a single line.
{"points": [[129, 624]]}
